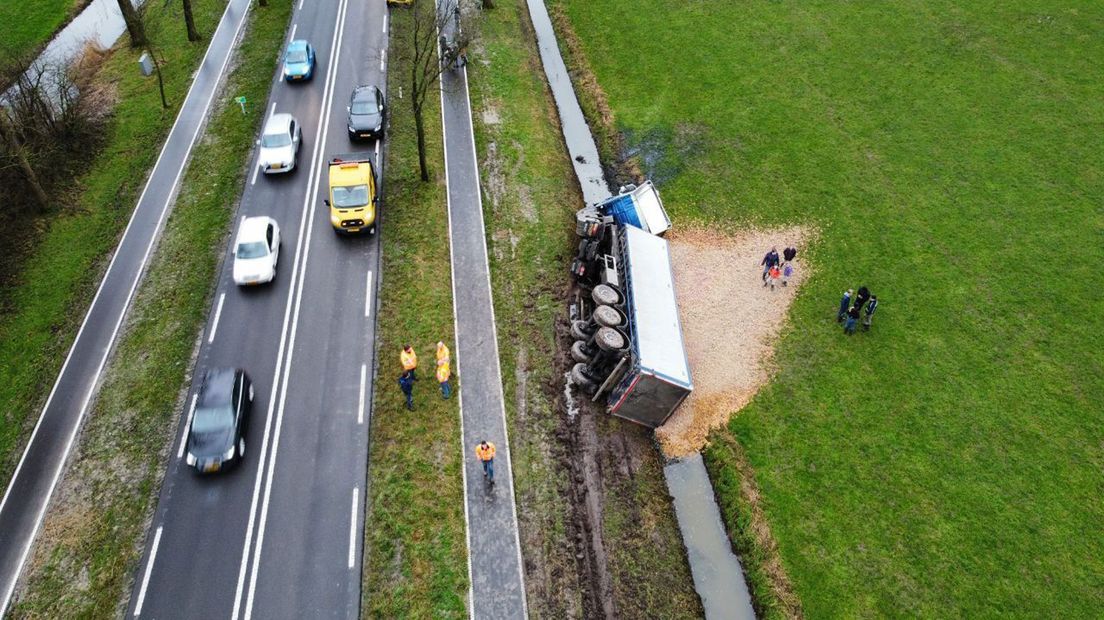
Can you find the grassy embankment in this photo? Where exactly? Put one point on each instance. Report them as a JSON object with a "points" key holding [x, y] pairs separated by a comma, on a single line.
{"points": [[44, 306], [947, 463], [91, 542], [30, 24], [531, 194], [416, 550]]}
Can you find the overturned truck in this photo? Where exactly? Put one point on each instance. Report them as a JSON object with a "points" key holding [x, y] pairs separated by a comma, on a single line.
{"points": [[628, 341]]}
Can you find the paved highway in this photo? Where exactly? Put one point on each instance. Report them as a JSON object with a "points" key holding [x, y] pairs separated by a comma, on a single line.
{"points": [[279, 536], [29, 491]]}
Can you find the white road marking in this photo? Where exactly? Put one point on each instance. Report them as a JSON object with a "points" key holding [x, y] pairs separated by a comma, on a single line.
{"points": [[6, 598], [273, 110], [385, 17], [187, 425], [353, 527], [218, 314], [286, 339], [149, 569], [368, 296], [377, 152], [255, 171], [294, 26], [363, 383], [300, 5], [383, 58]]}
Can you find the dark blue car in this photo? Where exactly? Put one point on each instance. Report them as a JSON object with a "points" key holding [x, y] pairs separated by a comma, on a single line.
{"points": [[299, 61]]}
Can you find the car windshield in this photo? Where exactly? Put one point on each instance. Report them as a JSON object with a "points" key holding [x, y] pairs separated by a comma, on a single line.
{"points": [[255, 249], [351, 196], [363, 107], [275, 140], [297, 56], [212, 420]]}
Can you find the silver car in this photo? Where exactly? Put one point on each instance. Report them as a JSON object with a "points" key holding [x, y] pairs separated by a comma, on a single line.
{"points": [[279, 144]]}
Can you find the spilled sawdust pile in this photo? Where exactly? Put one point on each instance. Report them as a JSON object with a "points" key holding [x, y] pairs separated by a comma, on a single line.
{"points": [[729, 324]]}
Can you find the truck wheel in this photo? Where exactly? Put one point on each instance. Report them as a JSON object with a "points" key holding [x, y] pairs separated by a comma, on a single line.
{"points": [[605, 295], [580, 379], [578, 330], [607, 316], [578, 352], [609, 339]]}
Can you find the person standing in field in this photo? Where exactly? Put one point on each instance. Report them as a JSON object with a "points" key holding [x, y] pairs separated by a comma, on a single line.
{"points": [[862, 297], [773, 275], [788, 255], [852, 320], [869, 316], [485, 452], [409, 360], [443, 370], [770, 260], [787, 273], [844, 303], [406, 384]]}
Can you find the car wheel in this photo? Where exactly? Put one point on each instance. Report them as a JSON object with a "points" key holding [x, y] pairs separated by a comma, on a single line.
{"points": [[241, 447]]}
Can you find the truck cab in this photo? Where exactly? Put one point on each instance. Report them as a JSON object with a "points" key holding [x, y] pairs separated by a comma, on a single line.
{"points": [[352, 195]]}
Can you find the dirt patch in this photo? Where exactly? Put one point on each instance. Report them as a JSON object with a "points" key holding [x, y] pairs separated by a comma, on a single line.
{"points": [[720, 290]]}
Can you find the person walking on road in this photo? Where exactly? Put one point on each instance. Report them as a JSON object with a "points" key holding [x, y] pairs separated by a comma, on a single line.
{"points": [[485, 452], [406, 383], [443, 370], [787, 273], [409, 360], [852, 320], [770, 260], [869, 316], [788, 255], [773, 275], [844, 303]]}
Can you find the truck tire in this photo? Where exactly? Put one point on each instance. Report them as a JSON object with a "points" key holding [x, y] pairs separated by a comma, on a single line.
{"points": [[579, 330], [609, 339], [607, 316], [580, 379], [605, 295], [578, 352]]}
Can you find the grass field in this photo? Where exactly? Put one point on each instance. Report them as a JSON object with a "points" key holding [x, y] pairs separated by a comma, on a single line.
{"points": [[415, 563], [91, 541], [30, 24], [44, 307], [947, 463]]}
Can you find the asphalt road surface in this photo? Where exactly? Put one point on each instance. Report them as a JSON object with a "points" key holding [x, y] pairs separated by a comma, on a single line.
{"points": [[29, 491], [279, 536], [494, 551]]}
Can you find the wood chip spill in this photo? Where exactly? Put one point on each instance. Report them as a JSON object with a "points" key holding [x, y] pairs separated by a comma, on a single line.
{"points": [[729, 324]]}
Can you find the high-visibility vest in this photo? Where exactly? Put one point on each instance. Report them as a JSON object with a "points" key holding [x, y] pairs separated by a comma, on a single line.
{"points": [[443, 370], [485, 455], [409, 359]]}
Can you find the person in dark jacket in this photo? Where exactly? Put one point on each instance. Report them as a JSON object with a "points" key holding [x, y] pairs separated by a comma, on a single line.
{"points": [[406, 383], [862, 296], [844, 303], [869, 316], [852, 320], [770, 260], [788, 255]]}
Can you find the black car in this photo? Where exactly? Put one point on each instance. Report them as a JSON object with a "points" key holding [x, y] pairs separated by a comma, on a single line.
{"points": [[216, 435], [366, 111]]}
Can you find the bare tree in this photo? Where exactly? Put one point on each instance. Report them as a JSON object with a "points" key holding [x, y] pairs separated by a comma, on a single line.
{"points": [[430, 44], [134, 23], [189, 22], [16, 148]]}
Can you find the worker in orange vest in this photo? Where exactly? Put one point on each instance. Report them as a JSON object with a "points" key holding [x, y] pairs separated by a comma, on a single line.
{"points": [[443, 370], [485, 452], [409, 360]]}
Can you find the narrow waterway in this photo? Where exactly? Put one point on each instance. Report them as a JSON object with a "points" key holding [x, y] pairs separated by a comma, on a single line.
{"points": [[100, 23], [718, 576]]}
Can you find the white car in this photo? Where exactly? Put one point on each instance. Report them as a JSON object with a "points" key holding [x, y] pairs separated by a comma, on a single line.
{"points": [[279, 144], [256, 251]]}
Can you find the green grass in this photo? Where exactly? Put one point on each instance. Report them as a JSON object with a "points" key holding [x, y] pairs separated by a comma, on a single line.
{"points": [[530, 196], [90, 544], [948, 463], [415, 562], [45, 305], [30, 24]]}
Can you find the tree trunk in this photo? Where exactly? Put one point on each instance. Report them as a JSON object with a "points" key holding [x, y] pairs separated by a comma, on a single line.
{"points": [[133, 23], [24, 165], [193, 34], [160, 81], [419, 126]]}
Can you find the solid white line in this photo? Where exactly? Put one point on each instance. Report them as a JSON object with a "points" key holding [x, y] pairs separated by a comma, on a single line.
{"points": [[368, 295], [126, 304], [187, 425], [294, 26], [363, 383], [327, 100], [149, 569], [353, 527], [218, 315]]}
